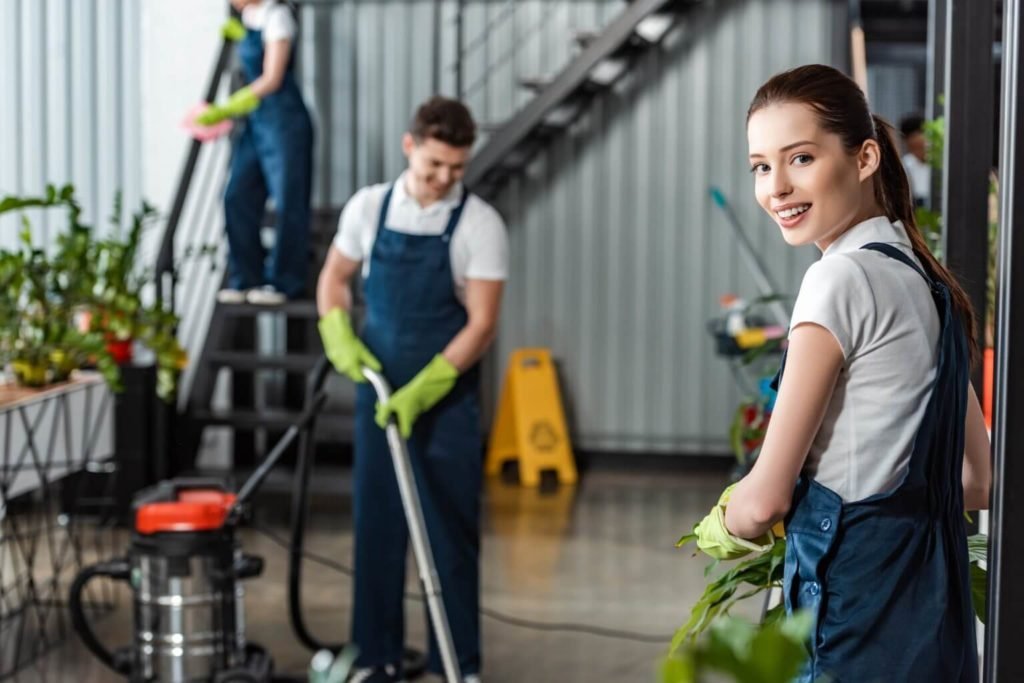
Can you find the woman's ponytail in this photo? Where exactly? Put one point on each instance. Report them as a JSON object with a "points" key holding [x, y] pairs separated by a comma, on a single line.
{"points": [[892, 191]]}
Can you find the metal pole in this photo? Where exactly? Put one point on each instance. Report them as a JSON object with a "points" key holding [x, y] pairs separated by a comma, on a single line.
{"points": [[418, 535], [968, 151], [936, 76], [459, 29], [1005, 623], [749, 254], [435, 72]]}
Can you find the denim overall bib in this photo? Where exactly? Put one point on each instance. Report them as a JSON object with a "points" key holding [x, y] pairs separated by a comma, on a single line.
{"points": [[412, 312], [273, 155], [887, 576]]}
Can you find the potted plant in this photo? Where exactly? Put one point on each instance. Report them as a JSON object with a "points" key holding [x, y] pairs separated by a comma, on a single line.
{"points": [[117, 307], [83, 302]]}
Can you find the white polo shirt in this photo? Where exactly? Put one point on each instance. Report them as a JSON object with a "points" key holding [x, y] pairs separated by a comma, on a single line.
{"points": [[274, 19], [479, 244], [883, 316]]}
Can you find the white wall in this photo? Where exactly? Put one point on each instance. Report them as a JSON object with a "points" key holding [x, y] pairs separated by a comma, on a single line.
{"points": [[179, 42]]}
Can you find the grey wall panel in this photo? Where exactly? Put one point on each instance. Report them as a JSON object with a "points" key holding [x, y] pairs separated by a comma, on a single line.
{"points": [[69, 103], [618, 254], [896, 90]]}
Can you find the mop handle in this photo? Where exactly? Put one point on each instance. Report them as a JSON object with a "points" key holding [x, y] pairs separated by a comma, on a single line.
{"points": [[761, 277], [418, 533]]}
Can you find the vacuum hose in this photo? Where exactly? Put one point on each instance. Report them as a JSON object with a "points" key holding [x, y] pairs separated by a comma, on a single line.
{"points": [[414, 661], [119, 569]]}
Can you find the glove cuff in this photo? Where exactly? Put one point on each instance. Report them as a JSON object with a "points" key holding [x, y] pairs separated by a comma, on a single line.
{"points": [[442, 368], [336, 323], [244, 99]]}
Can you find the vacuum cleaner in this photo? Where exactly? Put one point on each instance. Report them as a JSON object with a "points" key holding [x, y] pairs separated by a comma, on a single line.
{"points": [[186, 569]]}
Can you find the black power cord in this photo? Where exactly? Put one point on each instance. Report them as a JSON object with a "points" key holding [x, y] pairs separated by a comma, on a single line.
{"points": [[566, 627]]}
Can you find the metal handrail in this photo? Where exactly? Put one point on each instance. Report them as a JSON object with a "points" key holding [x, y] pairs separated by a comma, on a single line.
{"points": [[165, 258], [508, 55]]}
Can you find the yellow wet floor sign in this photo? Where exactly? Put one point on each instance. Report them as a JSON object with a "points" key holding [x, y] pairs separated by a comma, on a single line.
{"points": [[530, 423]]}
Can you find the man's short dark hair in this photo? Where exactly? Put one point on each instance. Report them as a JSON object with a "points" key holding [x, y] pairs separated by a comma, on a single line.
{"points": [[914, 123], [446, 120]]}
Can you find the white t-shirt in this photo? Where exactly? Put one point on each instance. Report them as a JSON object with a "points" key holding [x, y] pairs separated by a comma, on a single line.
{"points": [[479, 244], [273, 18], [884, 318], [920, 175]]}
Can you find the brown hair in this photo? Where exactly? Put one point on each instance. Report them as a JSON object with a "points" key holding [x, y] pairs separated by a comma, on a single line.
{"points": [[444, 119], [842, 109]]}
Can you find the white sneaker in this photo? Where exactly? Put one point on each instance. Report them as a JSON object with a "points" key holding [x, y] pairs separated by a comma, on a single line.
{"points": [[376, 674], [231, 296], [265, 296], [471, 678]]}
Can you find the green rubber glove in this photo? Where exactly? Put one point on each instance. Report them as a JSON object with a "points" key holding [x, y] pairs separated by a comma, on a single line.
{"points": [[345, 350], [429, 386], [233, 30], [241, 102], [713, 536]]}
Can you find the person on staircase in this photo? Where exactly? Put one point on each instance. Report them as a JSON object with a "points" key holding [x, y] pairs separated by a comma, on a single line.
{"points": [[433, 260], [272, 156]]}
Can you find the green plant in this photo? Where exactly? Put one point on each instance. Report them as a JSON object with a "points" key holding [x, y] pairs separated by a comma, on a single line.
{"points": [[747, 653], [40, 296], [117, 297], [83, 278], [757, 574]]}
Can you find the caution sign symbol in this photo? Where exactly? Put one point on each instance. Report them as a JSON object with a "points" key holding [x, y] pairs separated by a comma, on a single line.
{"points": [[543, 436]]}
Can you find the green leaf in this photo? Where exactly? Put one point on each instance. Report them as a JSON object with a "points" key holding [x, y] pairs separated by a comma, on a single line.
{"points": [[687, 538], [977, 548], [979, 592], [747, 653]]}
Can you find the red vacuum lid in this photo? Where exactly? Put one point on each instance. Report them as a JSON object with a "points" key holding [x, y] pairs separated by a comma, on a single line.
{"points": [[195, 510]]}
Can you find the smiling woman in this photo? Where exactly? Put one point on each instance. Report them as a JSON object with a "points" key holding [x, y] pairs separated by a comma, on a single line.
{"points": [[864, 457]]}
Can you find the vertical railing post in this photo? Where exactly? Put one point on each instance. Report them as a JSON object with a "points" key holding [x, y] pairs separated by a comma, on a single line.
{"points": [[1005, 602], [460, 6]]}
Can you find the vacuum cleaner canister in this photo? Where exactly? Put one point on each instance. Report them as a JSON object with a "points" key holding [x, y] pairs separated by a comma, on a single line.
{"points": [[185, 569]]}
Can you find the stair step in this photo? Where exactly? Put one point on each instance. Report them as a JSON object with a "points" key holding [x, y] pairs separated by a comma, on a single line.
{"points": [[535, 83], [267, 418], [607, 71], [299, 308], [653, 28], [489, 127], [241, 360], [583, 38]]}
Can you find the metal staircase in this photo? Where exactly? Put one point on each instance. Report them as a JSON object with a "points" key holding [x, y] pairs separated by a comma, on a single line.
{"points": [[605, 57]]}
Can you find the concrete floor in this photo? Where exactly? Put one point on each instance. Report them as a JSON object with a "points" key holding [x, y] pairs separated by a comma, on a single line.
{"points": [[601, 553]]}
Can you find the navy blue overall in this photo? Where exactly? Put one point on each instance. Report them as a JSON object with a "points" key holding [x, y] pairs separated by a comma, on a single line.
{"points": [[272, 155], [412, 312], [887, 576]]}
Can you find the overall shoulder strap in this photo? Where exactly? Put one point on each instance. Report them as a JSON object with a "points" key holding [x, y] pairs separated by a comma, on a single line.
{"points": [[894, 253]]}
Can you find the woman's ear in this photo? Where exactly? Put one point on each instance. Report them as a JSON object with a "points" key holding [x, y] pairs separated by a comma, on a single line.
{"points": [[869, 158]]}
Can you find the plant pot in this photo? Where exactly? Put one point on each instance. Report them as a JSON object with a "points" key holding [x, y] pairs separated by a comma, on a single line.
{"points": [[120, 350], [988, 371], [30, 374], [61, 365]]}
